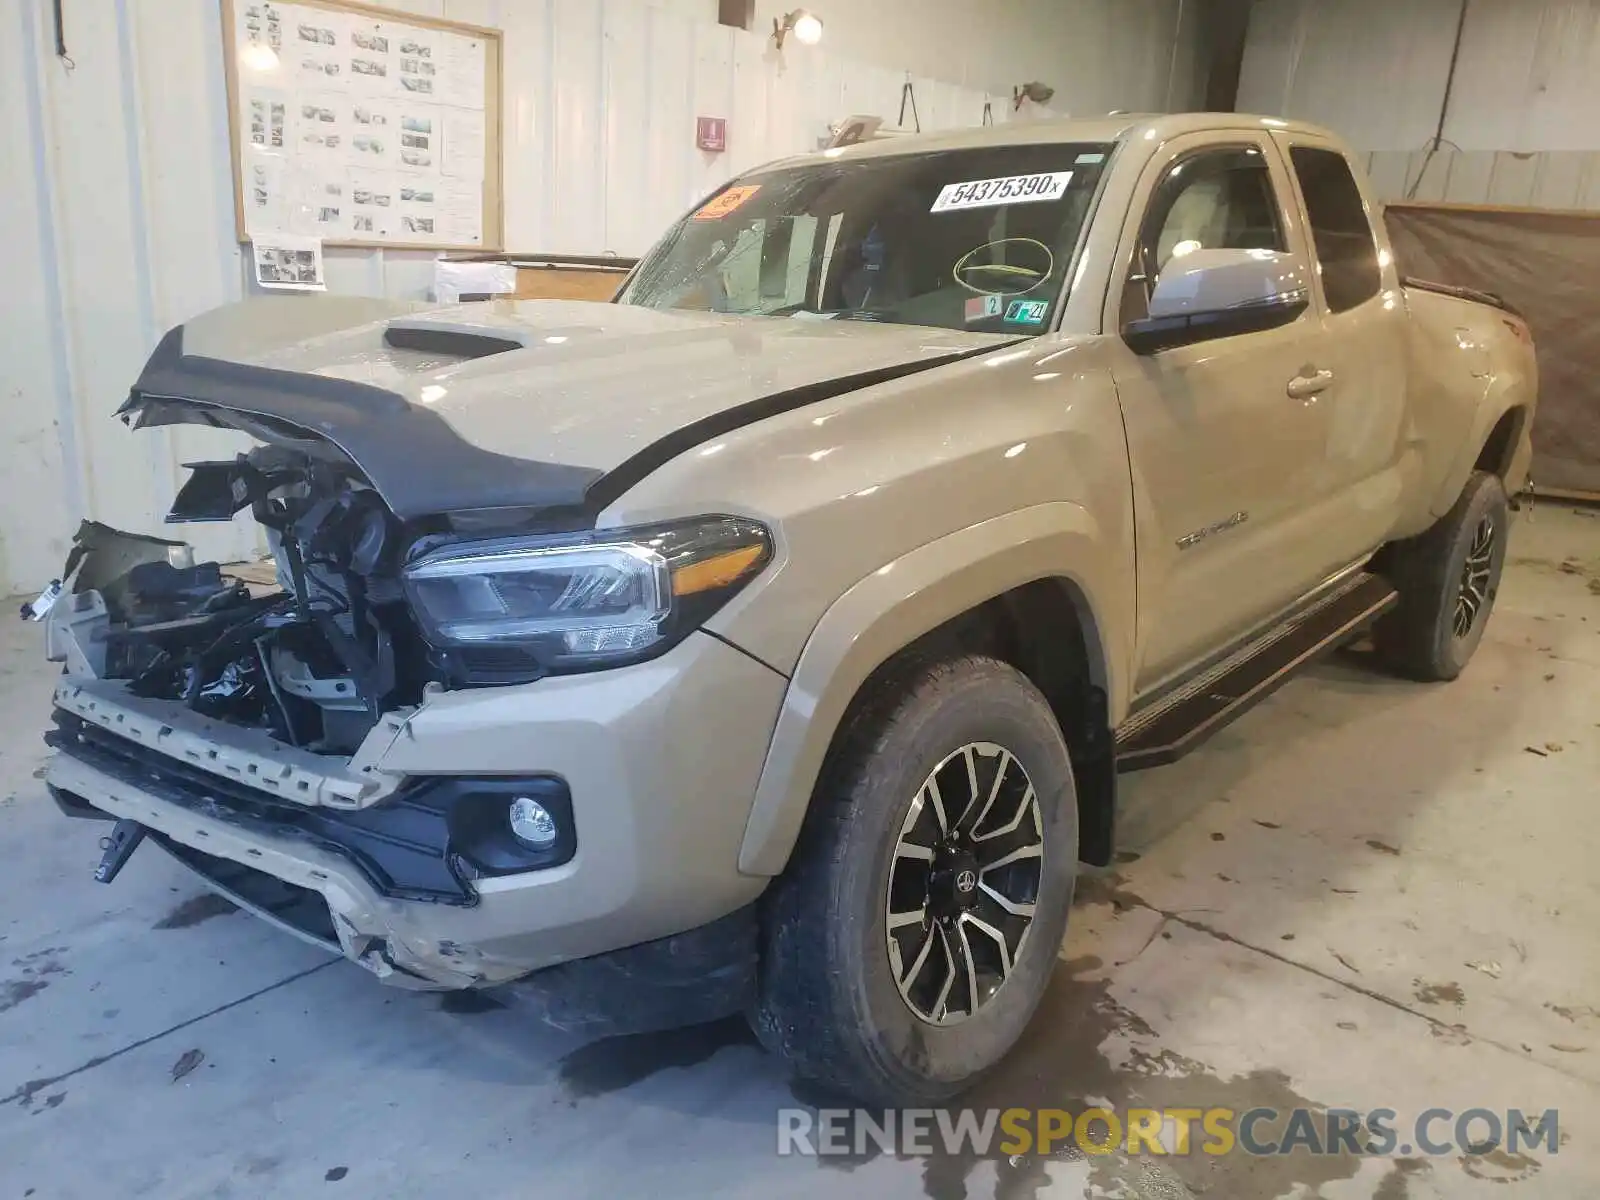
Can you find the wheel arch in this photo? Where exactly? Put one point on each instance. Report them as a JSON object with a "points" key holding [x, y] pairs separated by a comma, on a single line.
{"points": [[1033, 588], [1500, 447], [1493, 426], [1497, 444]]}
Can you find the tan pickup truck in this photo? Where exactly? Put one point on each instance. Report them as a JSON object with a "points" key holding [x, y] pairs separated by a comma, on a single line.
{"points": [[771, 640]]}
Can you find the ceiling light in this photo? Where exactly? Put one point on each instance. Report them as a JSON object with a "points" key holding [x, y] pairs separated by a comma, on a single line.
{"points": [[806, 26]]}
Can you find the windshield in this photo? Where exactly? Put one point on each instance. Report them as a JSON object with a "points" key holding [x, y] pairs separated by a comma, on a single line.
{"points": [[963, 239]]}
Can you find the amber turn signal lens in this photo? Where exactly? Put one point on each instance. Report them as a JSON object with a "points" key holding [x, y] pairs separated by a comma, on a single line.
{"points": [[716, 572]]}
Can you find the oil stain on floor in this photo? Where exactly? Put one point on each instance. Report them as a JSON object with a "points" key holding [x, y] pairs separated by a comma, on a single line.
{"points": [[614, 1063], [196, 909], [1061, 1064], [35, 971]]}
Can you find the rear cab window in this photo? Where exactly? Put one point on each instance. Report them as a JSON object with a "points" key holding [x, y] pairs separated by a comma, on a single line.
{"points": [[1347, 253]]}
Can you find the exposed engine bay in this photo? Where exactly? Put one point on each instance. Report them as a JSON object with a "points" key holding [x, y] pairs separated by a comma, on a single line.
{"points": [[314, 659]]}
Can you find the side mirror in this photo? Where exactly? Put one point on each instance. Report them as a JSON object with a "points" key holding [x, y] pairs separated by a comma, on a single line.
{"points": [[1207, 294]]}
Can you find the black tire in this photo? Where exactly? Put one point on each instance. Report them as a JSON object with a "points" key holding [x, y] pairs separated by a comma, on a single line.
{"points": [[1431, 637], [830, 1005]]}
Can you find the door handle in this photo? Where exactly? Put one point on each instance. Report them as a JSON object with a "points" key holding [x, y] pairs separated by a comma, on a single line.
{"points": [[1305, 386]]}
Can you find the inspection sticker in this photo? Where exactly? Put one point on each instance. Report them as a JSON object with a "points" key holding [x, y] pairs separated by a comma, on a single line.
{"points": [[724, 203], [1012, 189], [1027, 312], [980, 308]]}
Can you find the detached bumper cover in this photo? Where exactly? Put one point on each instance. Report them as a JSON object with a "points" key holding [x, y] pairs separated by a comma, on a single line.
{"points": [[422, 899], [369, 929]]}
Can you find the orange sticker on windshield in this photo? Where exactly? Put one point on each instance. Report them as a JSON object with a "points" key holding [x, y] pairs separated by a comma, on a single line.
{"points": [[724, 203]]}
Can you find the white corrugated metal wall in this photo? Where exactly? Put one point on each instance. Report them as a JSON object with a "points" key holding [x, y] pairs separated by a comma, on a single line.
{"points": [[1521, 128], [117, 204]]}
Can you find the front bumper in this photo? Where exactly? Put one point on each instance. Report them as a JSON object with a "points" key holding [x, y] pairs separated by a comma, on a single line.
{"points": [[661, 761]]}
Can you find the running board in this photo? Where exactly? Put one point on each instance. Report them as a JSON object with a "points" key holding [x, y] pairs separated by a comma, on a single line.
{"points": [[1166, 730]]}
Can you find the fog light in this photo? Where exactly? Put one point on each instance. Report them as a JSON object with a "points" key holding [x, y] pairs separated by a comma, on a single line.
{"points": [[533, 824]]}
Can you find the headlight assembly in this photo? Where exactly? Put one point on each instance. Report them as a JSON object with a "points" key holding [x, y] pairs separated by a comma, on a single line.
{"points": [[576, 602]]}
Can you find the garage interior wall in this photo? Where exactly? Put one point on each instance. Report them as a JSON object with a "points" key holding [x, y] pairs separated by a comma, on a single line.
{"points": [[118, 202], [1520, 128]]}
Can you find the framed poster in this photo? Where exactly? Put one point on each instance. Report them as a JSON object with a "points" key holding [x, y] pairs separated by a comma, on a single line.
{"points": [[360, 126]]}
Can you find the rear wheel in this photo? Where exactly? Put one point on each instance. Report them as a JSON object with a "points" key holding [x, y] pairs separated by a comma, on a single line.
{"points": [[1448, 578], [914, 932]]}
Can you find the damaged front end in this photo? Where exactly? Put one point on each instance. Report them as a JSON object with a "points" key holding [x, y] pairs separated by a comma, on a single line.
{"points": [[261, 709], [313, 660], [368, 742]]}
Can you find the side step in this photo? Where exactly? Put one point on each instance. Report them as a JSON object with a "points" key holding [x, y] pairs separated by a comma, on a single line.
{"points": [[1166, 730]]}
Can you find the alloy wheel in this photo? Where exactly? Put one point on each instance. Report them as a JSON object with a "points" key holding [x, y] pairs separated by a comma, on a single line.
{"points": [[964, 882], [1472, 598]]}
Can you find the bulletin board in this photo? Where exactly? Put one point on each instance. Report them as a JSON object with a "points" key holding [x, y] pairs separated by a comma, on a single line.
{"points": [[362, 126]]}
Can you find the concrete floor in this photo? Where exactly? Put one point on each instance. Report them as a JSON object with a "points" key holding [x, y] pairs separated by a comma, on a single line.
{"points": [[1367, 894]]}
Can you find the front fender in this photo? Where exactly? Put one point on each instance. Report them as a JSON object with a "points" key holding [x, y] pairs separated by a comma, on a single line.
{"points": [[911, 596]]}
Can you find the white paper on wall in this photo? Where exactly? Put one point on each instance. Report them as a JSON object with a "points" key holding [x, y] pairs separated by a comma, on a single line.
{"points": [[315, 47], [359, 128], [374, 204], [464, 143], [322, 127], [266, 118], [419, 210], [420, 137], [319, 204], [264, 178], [417, 58], [461, 73], [286, 262], [261, 24], [461, 211]]}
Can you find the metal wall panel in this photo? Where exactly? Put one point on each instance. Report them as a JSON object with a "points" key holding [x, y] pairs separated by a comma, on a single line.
{"points": [[1528, 79], [1554, 179], [119, 197], [1099, 54], [41, 483]]}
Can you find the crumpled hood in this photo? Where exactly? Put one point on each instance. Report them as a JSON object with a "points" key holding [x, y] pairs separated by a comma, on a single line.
{"points": [[537, 400]]}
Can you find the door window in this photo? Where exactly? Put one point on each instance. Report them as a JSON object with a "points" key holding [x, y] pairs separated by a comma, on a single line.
{"points": [[1215, 200], [1346, 251]]}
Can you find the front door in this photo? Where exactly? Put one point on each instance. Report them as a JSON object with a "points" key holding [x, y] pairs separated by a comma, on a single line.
{"points": [[1227, 437]]}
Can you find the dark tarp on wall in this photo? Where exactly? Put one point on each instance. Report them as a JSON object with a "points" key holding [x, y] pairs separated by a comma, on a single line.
{"points": [[1547, 266]]}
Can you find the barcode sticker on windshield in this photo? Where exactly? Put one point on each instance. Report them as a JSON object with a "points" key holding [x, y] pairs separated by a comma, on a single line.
{"points": [[1012, 189]]}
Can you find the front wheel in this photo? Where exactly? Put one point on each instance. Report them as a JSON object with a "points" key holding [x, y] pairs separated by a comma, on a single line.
{"points": [[909, 942], [1448, 578]]}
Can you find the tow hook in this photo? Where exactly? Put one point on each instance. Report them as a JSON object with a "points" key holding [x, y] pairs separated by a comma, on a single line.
{"points": [[118, 847]]}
